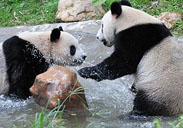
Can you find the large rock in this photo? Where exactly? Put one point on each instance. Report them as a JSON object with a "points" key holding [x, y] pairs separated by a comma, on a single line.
{"points": [[170, 18], [77, 10], [58, 83]]}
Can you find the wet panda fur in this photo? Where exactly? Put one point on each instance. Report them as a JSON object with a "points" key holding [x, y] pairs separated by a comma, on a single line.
{"points": [[144, 47], [28, 54]]}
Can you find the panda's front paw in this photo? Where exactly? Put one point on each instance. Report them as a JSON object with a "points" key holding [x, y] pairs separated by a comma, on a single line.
{"points": [[84, 72], [89, 72]]}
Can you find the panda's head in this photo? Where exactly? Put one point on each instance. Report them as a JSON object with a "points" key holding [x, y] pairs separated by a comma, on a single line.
{"points": [[65, 48], [120, 17]]}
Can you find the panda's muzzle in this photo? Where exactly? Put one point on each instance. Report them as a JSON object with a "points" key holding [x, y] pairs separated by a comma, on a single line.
{"points": [[104, 42], [79, 61]]}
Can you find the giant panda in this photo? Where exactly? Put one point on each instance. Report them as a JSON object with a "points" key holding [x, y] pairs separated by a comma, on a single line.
{"points": [[144, 47], [28, 54]]}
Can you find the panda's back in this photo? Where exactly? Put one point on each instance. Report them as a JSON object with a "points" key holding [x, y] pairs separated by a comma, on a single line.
{"points": [[39, 39], [4, 86]]}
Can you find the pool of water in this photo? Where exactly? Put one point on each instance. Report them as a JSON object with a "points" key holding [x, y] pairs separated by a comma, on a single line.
{"points": [[107, 100]]}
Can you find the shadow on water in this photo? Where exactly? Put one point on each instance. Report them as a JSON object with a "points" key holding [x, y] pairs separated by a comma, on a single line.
{"points": [[107, 100]]}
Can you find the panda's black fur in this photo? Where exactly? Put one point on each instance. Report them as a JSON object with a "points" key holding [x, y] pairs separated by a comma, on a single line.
{"points": [[24, 61], [130, 46]]}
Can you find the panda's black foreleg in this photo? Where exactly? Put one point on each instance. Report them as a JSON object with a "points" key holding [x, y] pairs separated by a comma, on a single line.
{"points": [[111, 68], [20, 79]]}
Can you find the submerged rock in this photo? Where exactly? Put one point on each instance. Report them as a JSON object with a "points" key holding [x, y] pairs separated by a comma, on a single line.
{"points": [[170, 18], [58, 83], [77, 10]]}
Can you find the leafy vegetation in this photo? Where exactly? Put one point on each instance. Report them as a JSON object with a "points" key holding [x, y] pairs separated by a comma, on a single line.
{"points": [[27, 12], [157, 123], [175, 124], [106, 3]]}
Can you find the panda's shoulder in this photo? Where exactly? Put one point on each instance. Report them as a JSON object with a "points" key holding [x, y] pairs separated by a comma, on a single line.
{"points": [[14, 42], [16, 47]]}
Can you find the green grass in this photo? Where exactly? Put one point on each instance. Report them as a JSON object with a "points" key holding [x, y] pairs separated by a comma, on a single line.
{"points": [[155, 7], [32, 12], [27, 12]]}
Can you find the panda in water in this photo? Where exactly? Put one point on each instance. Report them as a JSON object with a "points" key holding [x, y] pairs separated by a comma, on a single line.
{"points": [[28, 54], [143, 46]]}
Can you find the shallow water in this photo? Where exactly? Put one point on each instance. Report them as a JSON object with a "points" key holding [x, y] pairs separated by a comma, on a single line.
{"points": [[107, 99]]}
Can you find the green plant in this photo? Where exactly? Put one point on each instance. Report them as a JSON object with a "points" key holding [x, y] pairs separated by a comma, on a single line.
{"points": [[44, 119], [175, 124], [105, 3], [157, 123], [177, 29], [178, 123]]}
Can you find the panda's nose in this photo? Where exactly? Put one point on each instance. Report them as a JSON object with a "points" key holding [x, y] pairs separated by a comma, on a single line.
{"points": [[84, 57], [97, 38]]}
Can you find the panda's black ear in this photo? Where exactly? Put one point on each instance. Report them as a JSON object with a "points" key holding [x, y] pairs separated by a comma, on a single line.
{"points": [[60, 28], [116, 9], [125, 2], [55, 35]]}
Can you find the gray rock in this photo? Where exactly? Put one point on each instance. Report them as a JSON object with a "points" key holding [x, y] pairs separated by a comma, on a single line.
{"points": [[77, 10]]}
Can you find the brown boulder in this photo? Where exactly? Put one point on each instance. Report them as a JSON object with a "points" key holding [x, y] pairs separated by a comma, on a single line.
{"points": [[58, 83], [77, 10]]}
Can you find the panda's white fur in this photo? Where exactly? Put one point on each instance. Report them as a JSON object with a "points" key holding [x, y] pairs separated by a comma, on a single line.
{"points": [[144, 47], [59, 51], [4, 86]]}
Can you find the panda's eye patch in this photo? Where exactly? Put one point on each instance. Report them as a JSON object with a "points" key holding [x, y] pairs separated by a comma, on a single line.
{"points": [[72, 50], [102, 28]]}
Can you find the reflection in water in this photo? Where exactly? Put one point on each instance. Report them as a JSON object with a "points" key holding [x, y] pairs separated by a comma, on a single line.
{"points": [[107, 99]]}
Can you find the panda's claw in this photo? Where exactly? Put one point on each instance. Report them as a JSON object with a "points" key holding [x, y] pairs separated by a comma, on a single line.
{"points": [[89, 72], [84, 72]]}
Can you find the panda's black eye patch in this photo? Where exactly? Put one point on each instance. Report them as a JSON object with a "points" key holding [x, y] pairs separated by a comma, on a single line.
{"points": [[72, 50]]}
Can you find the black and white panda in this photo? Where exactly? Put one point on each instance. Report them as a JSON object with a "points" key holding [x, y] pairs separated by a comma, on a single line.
{"points": [[143, 46], [28, 54]]}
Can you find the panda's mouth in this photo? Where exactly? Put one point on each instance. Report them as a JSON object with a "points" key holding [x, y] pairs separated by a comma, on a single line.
{"points": [[77, 62], [104, 42]]}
